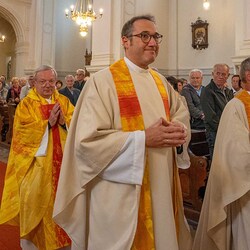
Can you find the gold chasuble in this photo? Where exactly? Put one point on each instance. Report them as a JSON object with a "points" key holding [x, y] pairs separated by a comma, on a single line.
{"points": [[132, 120], [31, 181], [244, 96]]}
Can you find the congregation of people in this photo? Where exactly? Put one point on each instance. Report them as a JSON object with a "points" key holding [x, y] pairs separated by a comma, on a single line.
{"points": [[100, 170], [11, 93]]}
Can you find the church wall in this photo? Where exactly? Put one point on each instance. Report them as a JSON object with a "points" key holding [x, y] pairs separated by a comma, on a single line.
{"points": [[159, 9], [221, 35], [174, 18], [44, 35]]}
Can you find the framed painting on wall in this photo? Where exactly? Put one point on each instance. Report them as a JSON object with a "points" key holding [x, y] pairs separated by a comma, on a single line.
{"points": [[199, 34]]}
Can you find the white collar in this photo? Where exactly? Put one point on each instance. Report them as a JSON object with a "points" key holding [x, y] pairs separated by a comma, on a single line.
{"points": [[134, 67], [48, 100]]}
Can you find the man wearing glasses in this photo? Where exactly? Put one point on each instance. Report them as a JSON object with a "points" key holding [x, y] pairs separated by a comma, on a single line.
{"points": [[119, 187], [39, 133], [80, 82], [214, 98]]}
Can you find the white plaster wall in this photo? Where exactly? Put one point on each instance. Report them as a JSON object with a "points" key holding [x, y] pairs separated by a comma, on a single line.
{"points": [[174, 18], [159, 9], [221, 35], [46, 36]]}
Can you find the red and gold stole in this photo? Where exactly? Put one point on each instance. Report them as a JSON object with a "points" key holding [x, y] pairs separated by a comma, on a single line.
{"points": [[60, 234], [245, 98], [131, 120]]}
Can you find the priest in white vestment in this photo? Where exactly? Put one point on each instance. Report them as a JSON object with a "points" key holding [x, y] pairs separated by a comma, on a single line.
{"points": [[225, 222], [121, 153]]}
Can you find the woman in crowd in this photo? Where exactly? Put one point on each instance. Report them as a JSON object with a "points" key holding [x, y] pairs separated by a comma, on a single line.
{"points": [[13, 95]]}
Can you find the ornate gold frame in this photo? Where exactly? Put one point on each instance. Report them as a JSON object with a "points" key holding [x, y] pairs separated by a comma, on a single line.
{"points": [[200, 34]]}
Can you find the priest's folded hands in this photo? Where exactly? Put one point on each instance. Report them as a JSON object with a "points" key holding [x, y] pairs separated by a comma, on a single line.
{"points": [[165, 134]]}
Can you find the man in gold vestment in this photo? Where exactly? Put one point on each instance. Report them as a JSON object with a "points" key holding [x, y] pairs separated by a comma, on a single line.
{"points": [[119, 185], [39, 134], [224, 221]]}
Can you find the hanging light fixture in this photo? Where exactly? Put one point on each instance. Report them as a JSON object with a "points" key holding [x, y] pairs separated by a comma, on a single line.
{"points": [[206, 4], [83, 15], [2, 39]]}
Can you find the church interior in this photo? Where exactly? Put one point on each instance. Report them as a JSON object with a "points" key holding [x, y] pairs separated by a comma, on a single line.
{"points": [[196, 35]]}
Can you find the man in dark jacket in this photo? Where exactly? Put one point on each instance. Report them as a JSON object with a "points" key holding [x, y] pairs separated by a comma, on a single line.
{"points": [[213, 101], [79, 83], [69, 91], [192, 92]]}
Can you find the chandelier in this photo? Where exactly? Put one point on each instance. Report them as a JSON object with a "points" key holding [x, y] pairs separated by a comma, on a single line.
{"points": [[2, 39], [83, 14]]}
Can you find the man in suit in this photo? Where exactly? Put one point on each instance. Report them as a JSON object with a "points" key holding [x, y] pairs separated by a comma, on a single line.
{"points": [[192, 92], [224, 220], [79, 83], [29, 85], [214, 98], [69, 91]]}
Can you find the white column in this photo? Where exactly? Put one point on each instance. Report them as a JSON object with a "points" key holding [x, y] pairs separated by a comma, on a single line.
{"points": [[102, 53], [247, 17], [21, 55], [106, 45], [242, 32], [48, 39], [42, 34]]}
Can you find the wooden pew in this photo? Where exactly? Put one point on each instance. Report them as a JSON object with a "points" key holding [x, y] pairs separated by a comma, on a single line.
{"points": [[198, 144], [4, 117], [193, 179], [11, 113]]}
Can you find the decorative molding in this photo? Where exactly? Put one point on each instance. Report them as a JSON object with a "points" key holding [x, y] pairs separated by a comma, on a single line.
{"points": [[238, 59], [102, 59], [242, 54], [129, 8], [94, 69]]}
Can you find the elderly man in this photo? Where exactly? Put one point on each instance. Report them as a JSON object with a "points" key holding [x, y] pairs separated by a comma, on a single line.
{"points": [[119, 187], [69, 91], [39, 134], [192, 93], [29, 85], [224, 221], [213, 100], [80, 82]]}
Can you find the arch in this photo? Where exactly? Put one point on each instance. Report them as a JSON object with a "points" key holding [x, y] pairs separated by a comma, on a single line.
{"points": [[17, 21], [13, 19]]}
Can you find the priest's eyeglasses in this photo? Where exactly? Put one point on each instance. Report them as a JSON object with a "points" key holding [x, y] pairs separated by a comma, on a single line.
{"points": [[146, 37]]}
